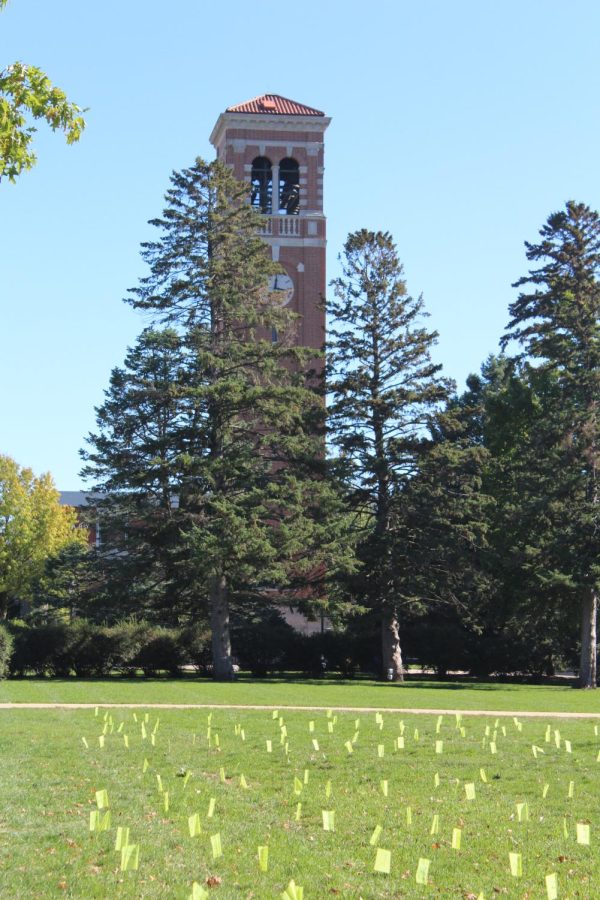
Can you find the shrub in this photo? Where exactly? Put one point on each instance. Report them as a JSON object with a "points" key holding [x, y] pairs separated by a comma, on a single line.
{"points": [[195, 646], [41, 650], [160, 652], [6, 646]]}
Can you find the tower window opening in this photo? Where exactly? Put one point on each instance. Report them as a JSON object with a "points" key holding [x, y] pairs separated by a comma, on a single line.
{"points": [[289, 187], [261, 179]]}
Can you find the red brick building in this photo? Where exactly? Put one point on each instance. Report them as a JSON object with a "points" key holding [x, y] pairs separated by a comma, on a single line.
{"points": [[276, 145]]}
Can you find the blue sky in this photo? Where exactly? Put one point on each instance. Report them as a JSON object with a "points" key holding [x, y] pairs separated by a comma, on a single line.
{"points": [[456, 126]]}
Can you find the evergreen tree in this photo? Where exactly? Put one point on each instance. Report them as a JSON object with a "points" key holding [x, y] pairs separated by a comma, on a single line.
{"points": [[557, 322], [241, 455], [384, 389]]}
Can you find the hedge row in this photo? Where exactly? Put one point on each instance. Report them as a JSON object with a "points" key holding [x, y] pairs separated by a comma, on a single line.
{"points": [[86, 650]]}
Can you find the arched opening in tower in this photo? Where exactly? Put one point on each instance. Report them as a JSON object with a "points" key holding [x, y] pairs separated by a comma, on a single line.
{"points": [[261, 179], [289, 187]]}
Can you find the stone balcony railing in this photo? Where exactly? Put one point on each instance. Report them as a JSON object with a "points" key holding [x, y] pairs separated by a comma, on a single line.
{"points": [[284, 226]]}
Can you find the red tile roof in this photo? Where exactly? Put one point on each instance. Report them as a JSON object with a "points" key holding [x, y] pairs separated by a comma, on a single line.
{"points": [[275, 105]]}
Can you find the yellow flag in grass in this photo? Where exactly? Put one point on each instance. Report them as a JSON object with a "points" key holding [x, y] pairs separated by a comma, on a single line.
{"points": [[384, 787], [122, 838], [552, 886], [456, 838], [583, 833], [215, 843], [422, 871], [243, 782], [101, 799], [263, 858], [383, 859], [130, 857], [298, 812], [328, 819], [470, 790], [516, 864], [435, 825], [211, 808], [194, 825], [198, 892], [375, 836], [293, 892], [297, 786]]}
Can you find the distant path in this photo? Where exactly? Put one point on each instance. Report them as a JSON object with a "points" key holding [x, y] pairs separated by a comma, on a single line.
{"points": [[497, 713]]}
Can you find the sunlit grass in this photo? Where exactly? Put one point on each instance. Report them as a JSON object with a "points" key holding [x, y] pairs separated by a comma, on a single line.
{"points": [[306, 692], [49, 780]]}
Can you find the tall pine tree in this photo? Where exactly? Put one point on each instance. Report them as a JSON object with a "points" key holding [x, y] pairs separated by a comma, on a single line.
{"points": [[556, 319], [243, 453], [384, 388]]}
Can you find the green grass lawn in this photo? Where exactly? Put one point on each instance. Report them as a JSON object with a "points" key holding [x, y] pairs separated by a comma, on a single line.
{"points": [[49, 781], [287, 692]]}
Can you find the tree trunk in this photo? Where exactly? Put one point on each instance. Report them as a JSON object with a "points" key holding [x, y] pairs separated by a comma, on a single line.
{"points": [[219, 621], [587, 667], [391, 656]]}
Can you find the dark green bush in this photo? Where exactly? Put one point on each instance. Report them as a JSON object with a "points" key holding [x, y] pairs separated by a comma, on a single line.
{"points": [[40, 650], [6, 647], [160, 652], [195, 646]]}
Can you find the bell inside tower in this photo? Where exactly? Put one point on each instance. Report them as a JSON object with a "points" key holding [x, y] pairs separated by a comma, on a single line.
{"points": [[289, 187], [261, 179]]}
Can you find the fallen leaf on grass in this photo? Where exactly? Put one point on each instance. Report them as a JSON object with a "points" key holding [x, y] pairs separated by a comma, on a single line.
{"points": [[62, 885], [213, 880]]}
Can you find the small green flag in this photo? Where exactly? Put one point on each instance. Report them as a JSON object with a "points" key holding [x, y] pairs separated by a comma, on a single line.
{"points": [[126, 740], [408, 815], [263, 858], [222, 775], [435, 825], [516, 864], [122, 838], [293, 892], [145, 765], [94, 819], [297, 786], [422, 871], [552, 886], [522, 812], [383, 859], [311, 726], [243, 782], [101, 740], [166, 801], [439, 746], [315, 744], [384, 787], [211, 808], [380, 750], [215, 842], [101, 799], [85, 743], [545, 790], [483, 776], [400, 743], [269, 746], [349, 747], [583, 833], [198, 892], [328, 819], [456, 838], [306, 776], [159, 783], [194, 825], [571, 789], [436, 780], [298, 812], [493, 748], [470, 790], [375, 836], [130, 857]]}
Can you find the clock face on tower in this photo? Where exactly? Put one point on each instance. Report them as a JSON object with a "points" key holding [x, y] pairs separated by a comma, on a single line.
{"points": [[281, 289]]}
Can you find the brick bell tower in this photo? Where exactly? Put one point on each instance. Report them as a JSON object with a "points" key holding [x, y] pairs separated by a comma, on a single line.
{"points": [[276, 145]]}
